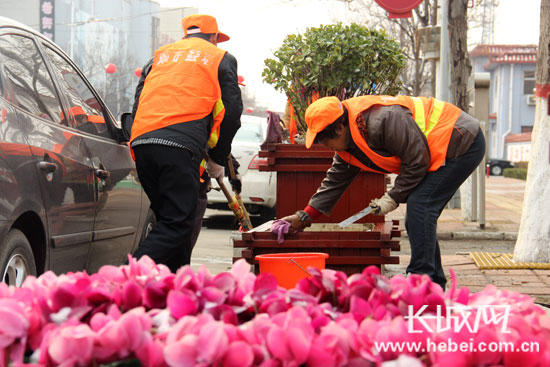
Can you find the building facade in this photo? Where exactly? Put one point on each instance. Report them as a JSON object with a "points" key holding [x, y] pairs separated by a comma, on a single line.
{"points": [[512, 104], [96, 33]]}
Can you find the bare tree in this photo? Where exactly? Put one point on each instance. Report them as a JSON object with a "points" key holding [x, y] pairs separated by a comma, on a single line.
{"points": [[417, 76], [117, 89], [533, 243], [461, 67]]}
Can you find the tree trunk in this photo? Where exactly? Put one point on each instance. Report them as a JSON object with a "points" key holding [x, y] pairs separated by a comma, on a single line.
{"points": [[460, 61], [533, 243]]}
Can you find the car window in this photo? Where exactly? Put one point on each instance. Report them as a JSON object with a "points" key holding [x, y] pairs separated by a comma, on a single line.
{"points": [[84, 106], [27, 83], [249, 132]]}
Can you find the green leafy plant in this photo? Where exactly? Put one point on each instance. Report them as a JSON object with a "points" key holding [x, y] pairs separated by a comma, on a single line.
{"points": [[334, 60]]}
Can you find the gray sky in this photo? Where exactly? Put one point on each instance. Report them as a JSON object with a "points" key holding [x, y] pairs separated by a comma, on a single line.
{"points": [[258, 27]]}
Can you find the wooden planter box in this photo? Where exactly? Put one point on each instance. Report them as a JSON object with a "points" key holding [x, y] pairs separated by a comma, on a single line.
{"points": [[349, 251], [300, 172]]}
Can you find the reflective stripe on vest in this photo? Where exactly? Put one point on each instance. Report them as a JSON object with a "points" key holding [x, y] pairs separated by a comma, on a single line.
{"points": [[441, 118], [181, 86]]}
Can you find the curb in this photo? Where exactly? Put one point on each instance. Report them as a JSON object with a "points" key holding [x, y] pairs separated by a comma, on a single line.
{"points": [[471, 235]]}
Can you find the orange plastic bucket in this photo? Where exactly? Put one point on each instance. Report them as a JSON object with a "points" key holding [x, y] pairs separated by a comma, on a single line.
{"points": [[290, 267]]}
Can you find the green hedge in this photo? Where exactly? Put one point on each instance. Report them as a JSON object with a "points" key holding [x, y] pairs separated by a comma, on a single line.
{"points": [[520, 173]]}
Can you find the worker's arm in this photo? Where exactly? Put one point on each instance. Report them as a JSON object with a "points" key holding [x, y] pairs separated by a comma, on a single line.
{"points": [[339, 177], [232, 101], [144, 71]]}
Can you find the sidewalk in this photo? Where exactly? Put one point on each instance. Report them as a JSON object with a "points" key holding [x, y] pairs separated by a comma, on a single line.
{"points": [[504, 200], [503, 205]]}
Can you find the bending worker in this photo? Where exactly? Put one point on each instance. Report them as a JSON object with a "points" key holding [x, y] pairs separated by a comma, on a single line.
{"points": [[431, 145], [188, 101]]}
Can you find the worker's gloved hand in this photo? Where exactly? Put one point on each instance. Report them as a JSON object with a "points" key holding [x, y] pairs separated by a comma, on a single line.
{"points": [[236, 183], [385, 203], [298, 221], [214, 170]]}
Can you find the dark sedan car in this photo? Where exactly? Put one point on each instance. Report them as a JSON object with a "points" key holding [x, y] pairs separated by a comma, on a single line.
{"points": [[496, 166], [69, 195]]}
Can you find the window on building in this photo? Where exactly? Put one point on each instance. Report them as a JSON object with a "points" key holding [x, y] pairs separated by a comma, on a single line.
{"points": [[526, 129], [27, 83], [528, 82]]}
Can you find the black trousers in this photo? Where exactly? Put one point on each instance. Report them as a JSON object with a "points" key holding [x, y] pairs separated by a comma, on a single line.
{"points": [[170, 178], [425, 204]]}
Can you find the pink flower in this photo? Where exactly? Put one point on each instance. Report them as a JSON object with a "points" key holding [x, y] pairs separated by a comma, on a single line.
{"points": [[289, 338], [238, 354], [182, 303], [131, 295], [71, 345], [184, 352], [13, 333], [124, 336], [151, 352]]}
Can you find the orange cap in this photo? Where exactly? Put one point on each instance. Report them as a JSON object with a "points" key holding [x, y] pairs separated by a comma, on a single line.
{"points": [[205, 23], [320, 114]]}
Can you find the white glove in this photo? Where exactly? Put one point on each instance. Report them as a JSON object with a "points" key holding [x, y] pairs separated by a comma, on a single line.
{"points": [[214, 170], [385, 203]]}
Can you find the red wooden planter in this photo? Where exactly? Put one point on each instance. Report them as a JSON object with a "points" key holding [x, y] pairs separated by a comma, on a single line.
{"points": [[300, 172], [349, 251]]}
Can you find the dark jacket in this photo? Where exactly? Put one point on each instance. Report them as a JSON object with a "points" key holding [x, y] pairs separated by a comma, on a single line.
{"points": [[193, 135], [387, 135]]}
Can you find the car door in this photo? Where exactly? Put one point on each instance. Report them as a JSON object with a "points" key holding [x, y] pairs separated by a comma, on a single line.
{"points": [[117, 191], [65, 173]]}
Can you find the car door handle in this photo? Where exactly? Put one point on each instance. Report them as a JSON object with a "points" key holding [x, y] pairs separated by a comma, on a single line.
{"points": [[102, 174], [47, 166]]}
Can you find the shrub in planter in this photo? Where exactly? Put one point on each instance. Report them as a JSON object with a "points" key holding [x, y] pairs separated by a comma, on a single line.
{"points": [[520, 173], [334, 60], [142, 315]]}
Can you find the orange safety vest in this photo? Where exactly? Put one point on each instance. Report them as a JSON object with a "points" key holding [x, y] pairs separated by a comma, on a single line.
{"points": [[182, 86], [435, 118]]}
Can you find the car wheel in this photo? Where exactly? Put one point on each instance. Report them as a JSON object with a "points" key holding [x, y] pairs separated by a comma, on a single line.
{"points": [[496, 170], [16, 258], [150, 222]]}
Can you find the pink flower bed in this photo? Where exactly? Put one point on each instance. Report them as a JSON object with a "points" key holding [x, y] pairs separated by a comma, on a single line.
{"points": [[142, 313]]}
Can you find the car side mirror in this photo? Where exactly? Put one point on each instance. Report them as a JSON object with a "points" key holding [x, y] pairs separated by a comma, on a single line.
{"points": [[126, 121]]}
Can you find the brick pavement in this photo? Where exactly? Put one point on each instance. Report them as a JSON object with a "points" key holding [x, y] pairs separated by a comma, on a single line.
{"points": [[504, 200]]}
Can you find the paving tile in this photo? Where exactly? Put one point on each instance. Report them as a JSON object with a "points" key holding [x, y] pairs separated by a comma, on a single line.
{"points": [[519, 279], [542, 272], [456, 259], [512, 272], [459, 268], [478, 282], [469, 272], [530, 290]]}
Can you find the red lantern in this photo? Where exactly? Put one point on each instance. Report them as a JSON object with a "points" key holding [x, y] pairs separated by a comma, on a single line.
{"points": [[249, 110], [110, 68], [137, 72], [240, 79]]}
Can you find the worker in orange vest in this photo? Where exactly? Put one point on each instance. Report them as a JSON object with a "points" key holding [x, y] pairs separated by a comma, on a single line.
{"points": [[431, 145], [188, 101], [290, 120]]}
